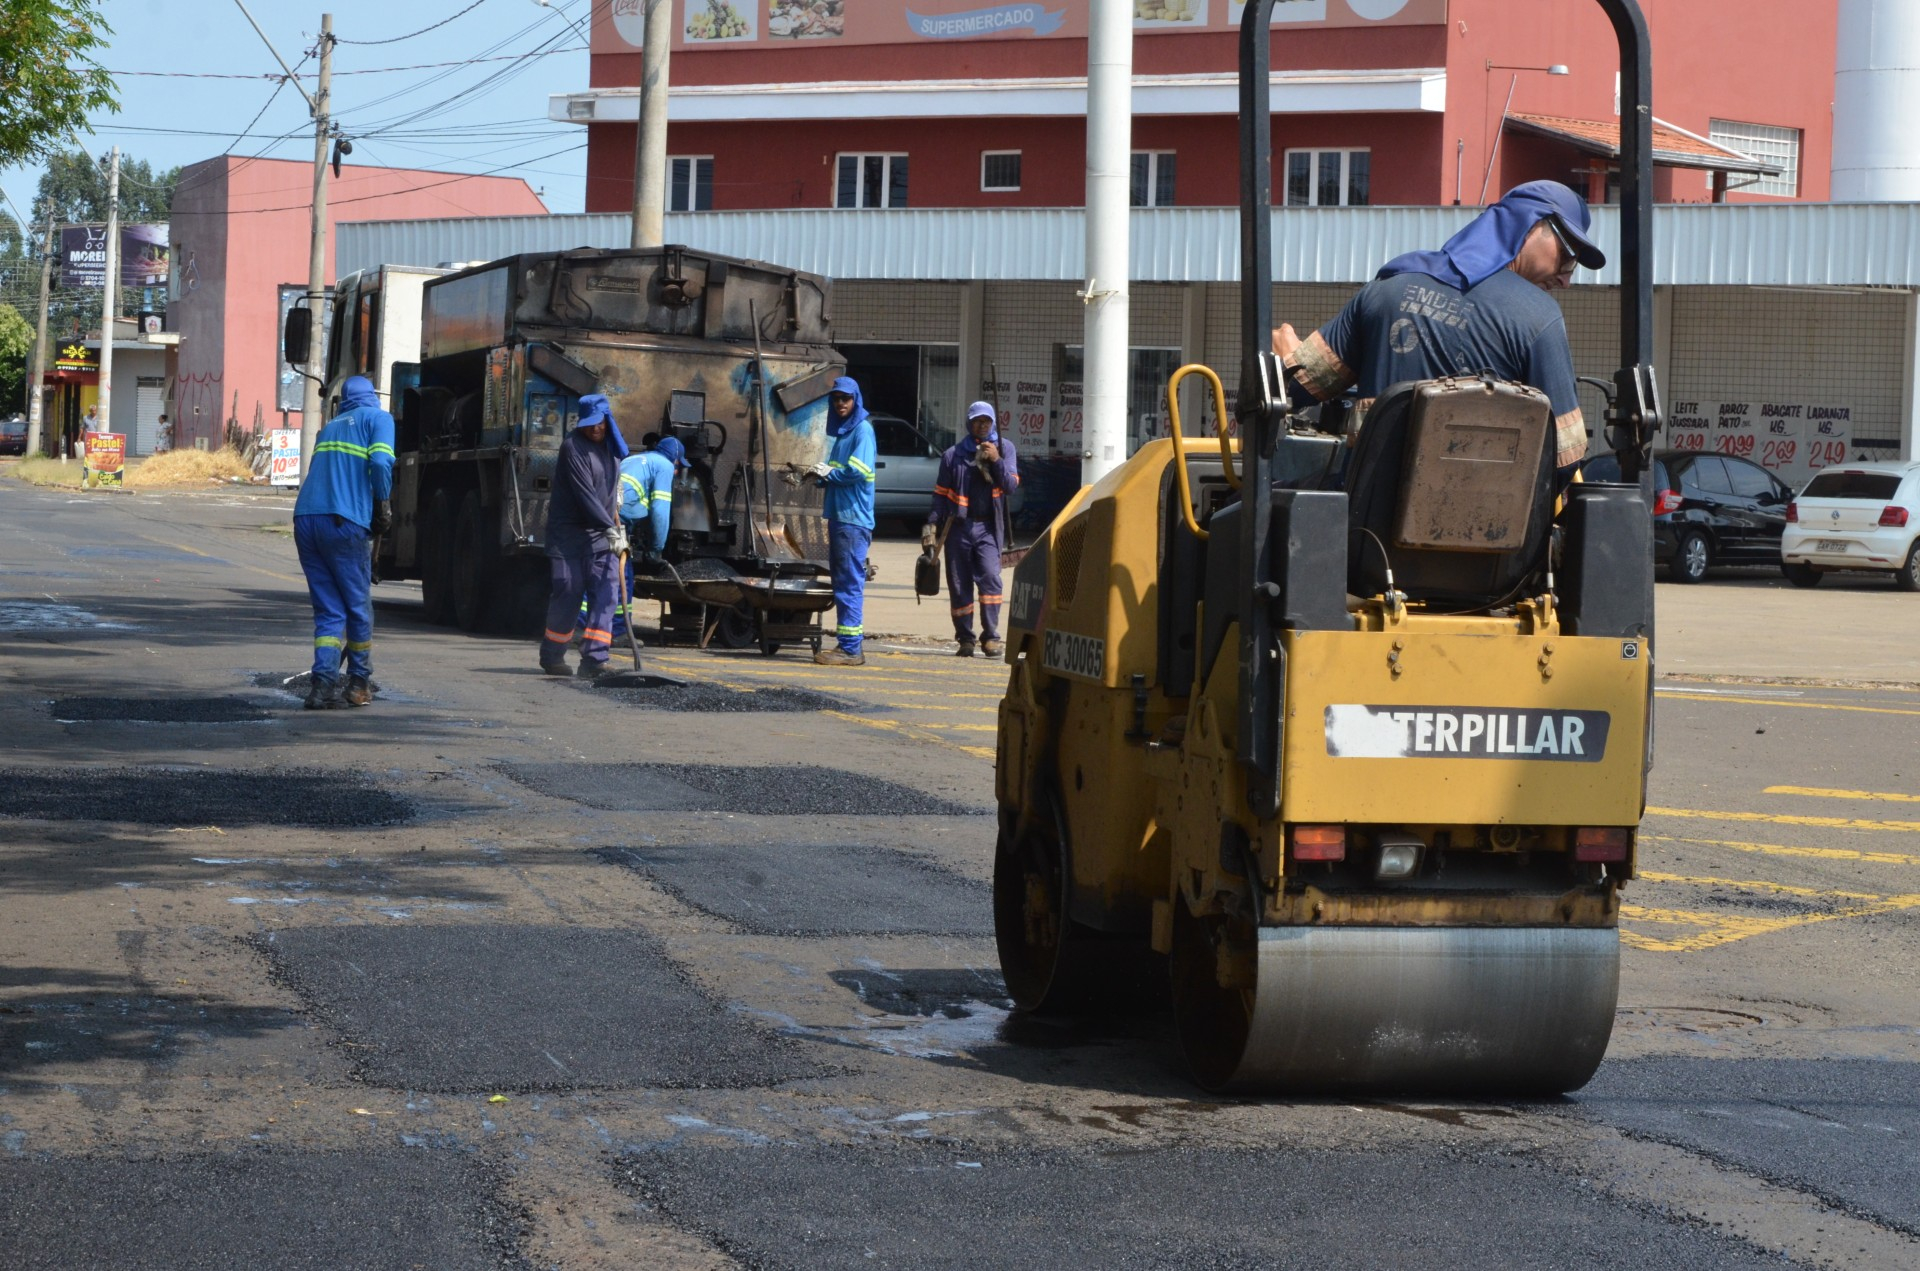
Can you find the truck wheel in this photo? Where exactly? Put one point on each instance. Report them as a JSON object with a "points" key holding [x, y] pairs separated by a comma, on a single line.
{"points": [[436, 533], [1801, 575], [735, 628], [476, 559]]}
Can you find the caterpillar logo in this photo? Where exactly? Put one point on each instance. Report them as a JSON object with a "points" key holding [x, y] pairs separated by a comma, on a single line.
{"points": [[1069, 654], [1465, 732]]}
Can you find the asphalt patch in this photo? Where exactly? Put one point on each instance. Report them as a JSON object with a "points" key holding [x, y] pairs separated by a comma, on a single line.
{"points": [[164, 796], [923, 1205], [460, 1009], [793, 790], [1847, 1130], [157, 710], [368, 1210], [716, 699], [787, 890], [926, 994]]}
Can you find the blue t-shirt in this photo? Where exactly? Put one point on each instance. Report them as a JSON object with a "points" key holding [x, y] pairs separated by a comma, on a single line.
{"points": [[1505, 325]]}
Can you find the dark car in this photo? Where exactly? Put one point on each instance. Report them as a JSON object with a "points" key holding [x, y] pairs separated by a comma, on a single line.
{"points": [[13, 436], [1708, 509]]}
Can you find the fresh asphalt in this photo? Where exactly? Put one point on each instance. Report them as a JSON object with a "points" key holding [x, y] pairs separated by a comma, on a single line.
{"points": [[509, 971]]}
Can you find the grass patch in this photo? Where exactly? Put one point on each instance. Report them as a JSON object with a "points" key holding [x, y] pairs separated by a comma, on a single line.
{"points": [[39, 470]]}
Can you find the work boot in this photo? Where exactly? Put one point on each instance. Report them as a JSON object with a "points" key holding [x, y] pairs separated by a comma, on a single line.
{"points": [[590, 670], [358, 691], [992, 648], [839, 657], [554, 668], [322, 694], [964, 649]]}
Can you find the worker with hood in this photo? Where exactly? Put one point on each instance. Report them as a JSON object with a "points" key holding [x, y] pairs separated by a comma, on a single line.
{"points": [[646, 508], [342, 507], [1478, 305], [977, 475], [847, 474], [584, 539]]}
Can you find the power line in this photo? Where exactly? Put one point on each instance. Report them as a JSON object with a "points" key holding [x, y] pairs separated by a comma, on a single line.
{"points": [[376, 70], [422, 31]]}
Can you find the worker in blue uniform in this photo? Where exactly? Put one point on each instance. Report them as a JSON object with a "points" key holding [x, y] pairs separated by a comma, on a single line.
{"points": [[344, 505], [646, 508], [971, 517], [584, 539], [847, 475]]}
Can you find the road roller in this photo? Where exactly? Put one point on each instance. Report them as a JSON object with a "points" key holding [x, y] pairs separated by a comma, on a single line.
{"points": [[1339, 733]]}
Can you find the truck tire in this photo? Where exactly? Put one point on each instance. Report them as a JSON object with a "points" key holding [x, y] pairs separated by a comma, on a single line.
{"points": [[475, 564], [435, 532]]}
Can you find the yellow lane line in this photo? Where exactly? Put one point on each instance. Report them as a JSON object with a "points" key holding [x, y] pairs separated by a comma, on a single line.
{"points": [[1772, 818], [894, 726], [961, 728], [1781, 849], [1752, 884], [1815, 792], [1775, 701], [1720, 929]]}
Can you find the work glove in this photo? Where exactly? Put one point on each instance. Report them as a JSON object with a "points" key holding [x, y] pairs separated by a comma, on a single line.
{"points": [[929, 535], [791, 477], [617, 541], [820, 470], [382, 518]]}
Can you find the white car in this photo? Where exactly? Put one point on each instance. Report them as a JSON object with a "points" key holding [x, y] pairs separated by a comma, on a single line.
{"points": [[1855, 516]]}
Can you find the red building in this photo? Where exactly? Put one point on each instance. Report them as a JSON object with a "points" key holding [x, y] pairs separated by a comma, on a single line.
{"points": [[241, 232], [952, 103]]}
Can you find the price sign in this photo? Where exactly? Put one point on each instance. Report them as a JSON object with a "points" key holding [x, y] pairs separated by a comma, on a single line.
{"points": [[1030, 415], [284, 463], [1072, 417], [1792, 440]]}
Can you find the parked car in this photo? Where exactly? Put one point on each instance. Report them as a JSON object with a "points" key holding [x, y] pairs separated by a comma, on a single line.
{"points": [[13, 436], [1708, 509], [1857, 516], [904, 470]]}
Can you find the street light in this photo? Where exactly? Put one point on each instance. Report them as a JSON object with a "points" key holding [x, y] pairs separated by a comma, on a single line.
{"points": [[1556, 69]]}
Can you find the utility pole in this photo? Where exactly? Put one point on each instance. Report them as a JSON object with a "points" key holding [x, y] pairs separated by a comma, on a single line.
{"points": [[310, 404], [110, 295], [36, 379], [1109, 166], [650, 152]]}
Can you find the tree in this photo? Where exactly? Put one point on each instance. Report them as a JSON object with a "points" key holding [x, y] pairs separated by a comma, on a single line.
{"points": [[50, 80], [78, 187], [16, 343]]}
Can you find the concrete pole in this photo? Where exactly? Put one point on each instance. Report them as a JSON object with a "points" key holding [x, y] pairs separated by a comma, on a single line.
{"points": [[36, 378], [650, 152], [110, 292], [310, 404], [1109, 154]]}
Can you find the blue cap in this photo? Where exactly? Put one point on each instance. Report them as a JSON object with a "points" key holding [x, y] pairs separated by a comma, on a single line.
{"points": [[669, 448], [981, 409], [594, 409]]}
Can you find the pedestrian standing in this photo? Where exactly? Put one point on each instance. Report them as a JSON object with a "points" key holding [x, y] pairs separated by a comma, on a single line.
{"points": [[165, 442], [847, 474], [584, 540], [343, 505], [977, 477]]}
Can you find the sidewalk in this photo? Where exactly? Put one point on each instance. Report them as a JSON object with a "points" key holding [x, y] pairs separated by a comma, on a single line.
{"points": [[1747, 623]]}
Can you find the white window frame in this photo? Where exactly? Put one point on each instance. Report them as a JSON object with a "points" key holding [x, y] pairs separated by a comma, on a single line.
{"points": [[999, 189], [693, 179], [1775, 143], [886, 175], [1153, 158], [1346, 154]]}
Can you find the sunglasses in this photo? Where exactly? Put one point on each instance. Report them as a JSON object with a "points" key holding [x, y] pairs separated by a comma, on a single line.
{"points": [[1568, 258]]}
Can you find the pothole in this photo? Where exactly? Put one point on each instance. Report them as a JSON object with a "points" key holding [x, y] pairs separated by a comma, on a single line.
{"points": [[784, 790], [169, 796], [157, 710], [719, 700]]}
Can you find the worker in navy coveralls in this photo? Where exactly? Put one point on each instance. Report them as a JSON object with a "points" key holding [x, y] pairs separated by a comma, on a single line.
{"points": [[343, 505], [584, 540], [978, 475]]}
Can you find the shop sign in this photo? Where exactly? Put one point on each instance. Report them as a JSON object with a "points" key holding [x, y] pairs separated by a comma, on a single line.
{"points": [[76, 357], [1792, 440], [143, 255], [284, 463], [106, 458]]}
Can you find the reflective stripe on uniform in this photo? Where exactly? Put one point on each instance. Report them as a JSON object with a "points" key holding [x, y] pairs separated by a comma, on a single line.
{"points": [[860, 468], [594, 633], [329, 642], [849, 631], [985, 599], [559, 637], [961, 611], [359, 646]]}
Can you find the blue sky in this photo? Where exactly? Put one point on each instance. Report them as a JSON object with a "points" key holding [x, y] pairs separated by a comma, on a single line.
{"points": [[475, 116]]}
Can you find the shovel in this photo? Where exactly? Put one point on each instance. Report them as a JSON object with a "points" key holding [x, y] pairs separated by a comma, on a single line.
{"points": [[636, 678]]}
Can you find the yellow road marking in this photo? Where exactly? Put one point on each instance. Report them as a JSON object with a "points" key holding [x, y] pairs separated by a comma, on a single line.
{"points": [[1775, 701], [1781, 849], [1815, 792], [1752, 884], [1719, 929], [895, 726], [1773, 818]]}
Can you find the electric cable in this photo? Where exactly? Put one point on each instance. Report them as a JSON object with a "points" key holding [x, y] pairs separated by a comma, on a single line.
{"points": [[422, 31]]}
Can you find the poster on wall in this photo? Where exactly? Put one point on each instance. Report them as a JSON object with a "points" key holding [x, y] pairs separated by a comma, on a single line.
{"points": [[143, 255], [619, 26], [1029, 422], [1792, 440]]}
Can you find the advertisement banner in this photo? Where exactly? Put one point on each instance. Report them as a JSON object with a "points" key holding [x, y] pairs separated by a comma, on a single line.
{"points": [[1792, 440], [619, 25], [284, 466], [106, 458], [143, 255]]}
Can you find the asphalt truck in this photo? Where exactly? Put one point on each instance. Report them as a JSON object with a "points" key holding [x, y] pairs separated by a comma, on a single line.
{"points": [[484, 367]]}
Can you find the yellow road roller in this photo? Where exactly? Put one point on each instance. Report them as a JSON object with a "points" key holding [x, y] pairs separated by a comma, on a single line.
{"points": [[1343, 732]]}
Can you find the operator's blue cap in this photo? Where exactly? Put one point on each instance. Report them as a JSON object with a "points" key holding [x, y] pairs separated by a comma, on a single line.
{"points": [[594, 409], [981, 410], [670, 449]]}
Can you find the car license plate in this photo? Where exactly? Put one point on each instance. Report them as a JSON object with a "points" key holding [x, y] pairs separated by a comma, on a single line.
{"points": [[1831, 545]]}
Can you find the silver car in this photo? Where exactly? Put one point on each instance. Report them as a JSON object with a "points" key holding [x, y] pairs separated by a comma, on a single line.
{"points": [[904, 471]]}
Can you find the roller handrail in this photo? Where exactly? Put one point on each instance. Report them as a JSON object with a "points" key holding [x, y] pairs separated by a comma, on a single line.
{"points": [[1179, 439]]}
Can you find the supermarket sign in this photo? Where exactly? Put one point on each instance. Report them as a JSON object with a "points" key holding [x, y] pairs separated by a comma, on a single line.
{"points": [[1792, 440]]}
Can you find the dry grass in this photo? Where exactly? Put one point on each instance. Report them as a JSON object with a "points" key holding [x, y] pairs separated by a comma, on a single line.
{"points": [[187, 468], [41, 471]]}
